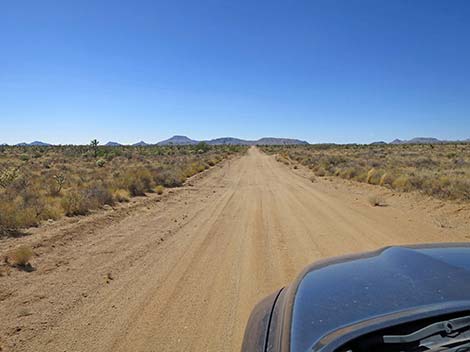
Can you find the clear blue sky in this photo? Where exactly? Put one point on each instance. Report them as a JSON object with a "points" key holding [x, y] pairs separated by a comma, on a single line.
{"points": [[319, 70]]}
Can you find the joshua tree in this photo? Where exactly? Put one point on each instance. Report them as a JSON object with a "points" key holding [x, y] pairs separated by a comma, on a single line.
{"points": [[94, 144], [60, 181], [7, 176]]}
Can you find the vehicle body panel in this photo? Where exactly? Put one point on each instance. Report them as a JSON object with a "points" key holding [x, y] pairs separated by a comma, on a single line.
{"points": [[335, 300]]}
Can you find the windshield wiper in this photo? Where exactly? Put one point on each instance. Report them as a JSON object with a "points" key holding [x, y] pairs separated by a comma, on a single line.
{"points": [[444, 328]]}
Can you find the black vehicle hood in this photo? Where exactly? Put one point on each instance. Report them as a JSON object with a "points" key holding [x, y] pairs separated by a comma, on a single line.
{"points": [[337, 296]]}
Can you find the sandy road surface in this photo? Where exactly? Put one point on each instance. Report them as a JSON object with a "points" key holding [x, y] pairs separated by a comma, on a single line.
{"points": [[183, 274]]}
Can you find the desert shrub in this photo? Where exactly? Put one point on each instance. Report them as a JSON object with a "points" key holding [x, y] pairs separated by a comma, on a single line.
{"points": [[202, 147], [75, 203], [169, 178], [8, 176], [52, 210], [373, 176], [376, 200], [320, 172], [349, 173], [423, 162], [137, 181], [402, 183], [13, 215], [194, 168], [32, 198], [100, 162], [460, 189], [282, 159], [159, 189], [386, 179], [20, 256], [97, 195], [121, 195]]}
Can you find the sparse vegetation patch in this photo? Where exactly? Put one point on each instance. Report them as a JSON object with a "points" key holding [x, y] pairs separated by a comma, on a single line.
{"points": [[441, 170], [41, 183]]}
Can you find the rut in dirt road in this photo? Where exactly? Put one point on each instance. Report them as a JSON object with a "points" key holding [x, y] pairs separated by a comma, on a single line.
{"points": [[250, 227]]}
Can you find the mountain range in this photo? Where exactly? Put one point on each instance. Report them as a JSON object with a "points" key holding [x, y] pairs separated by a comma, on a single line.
{"points": [[424, 140], [34, 144], [183, 140]]}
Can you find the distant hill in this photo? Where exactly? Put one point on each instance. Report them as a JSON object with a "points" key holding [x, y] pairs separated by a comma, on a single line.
{"points": [[39, 144], [229, 141], [279, 141], [261, 141], [418, 140], [426, 140], [140, 144], [178, 140], [113, 144], [33, 144], [378, 143]]}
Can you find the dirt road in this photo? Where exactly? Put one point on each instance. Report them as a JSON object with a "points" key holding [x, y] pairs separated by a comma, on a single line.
{"points": [[182, 273]]}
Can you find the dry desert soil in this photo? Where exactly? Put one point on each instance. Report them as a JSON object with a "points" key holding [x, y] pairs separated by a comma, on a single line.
{"points": [[182, 271]]}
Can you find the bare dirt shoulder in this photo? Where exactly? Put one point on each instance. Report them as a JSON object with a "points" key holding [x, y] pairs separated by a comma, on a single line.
{"points": [[447, 216]]}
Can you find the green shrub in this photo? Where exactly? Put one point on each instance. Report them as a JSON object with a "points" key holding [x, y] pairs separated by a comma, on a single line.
{"points": [[202, 147]]}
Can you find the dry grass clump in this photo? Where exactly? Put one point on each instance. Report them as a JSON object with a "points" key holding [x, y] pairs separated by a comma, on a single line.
{"points": [[159, 189], [121, 195], [402, 183], [136, 181], [440, 170], [41, 183], [283, 159], [19, 256], [376, 200]]}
